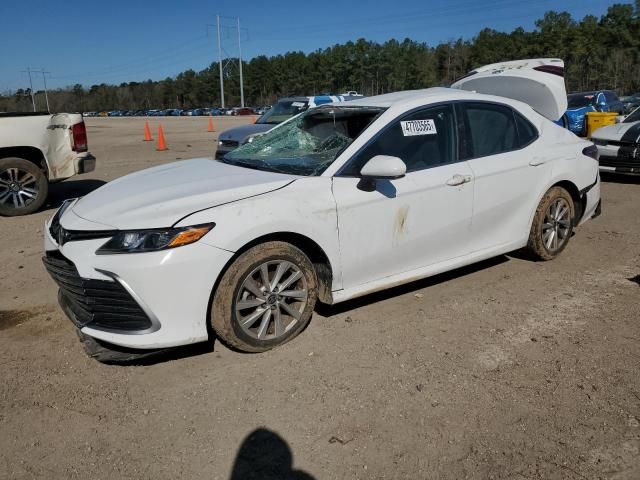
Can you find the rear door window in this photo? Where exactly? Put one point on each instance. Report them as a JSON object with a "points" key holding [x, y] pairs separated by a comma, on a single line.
{"points": [[489, 129]]}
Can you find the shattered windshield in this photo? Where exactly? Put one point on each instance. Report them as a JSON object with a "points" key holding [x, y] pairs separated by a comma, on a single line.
{"points": [[283, 110], [633, 116], [307, 144]]}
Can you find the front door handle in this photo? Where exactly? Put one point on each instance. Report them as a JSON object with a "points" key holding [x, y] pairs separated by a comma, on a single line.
{"points": [[458, 180]]}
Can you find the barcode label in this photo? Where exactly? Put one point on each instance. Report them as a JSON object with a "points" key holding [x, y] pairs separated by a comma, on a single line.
{"points": [[418, 127]]}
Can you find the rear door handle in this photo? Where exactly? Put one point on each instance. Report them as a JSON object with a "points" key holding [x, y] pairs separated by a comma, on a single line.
{"points": [[458, 180]]}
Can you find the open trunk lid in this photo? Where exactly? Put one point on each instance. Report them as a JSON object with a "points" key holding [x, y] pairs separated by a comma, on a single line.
{"points": [[537, 82]]}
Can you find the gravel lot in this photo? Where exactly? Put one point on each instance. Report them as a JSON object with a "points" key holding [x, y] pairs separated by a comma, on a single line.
{"points": [[510, 369]]}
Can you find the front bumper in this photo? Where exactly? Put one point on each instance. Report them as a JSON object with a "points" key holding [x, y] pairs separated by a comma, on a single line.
{"points": [[140, 301]]}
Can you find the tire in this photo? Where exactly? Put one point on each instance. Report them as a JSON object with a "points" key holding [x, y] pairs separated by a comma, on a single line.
{"points": [[552, 224], [23, 187], [269, 317]]}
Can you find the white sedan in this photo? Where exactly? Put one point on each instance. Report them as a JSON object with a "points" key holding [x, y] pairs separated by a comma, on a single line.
{"points": [[338, 202]]}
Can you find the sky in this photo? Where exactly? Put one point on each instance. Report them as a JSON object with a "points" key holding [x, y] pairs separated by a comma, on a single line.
{"points": [[115, 41]]}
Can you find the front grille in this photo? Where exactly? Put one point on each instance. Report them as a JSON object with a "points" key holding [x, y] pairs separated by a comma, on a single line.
{"points": [[99, 304], [229, 143], [63, 236], [627, 158]]}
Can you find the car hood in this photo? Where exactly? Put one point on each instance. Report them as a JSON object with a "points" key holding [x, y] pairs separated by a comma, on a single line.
{"points": [[239, 134], [623, 132], [160, 196]]}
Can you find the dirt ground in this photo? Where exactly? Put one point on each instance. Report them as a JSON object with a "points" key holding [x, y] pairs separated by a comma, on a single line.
{"points": [[510, 369]]}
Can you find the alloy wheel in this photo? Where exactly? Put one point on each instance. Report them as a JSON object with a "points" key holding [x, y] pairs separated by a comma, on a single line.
{"points": [[271, 300], [17, 187], [557, 225]]}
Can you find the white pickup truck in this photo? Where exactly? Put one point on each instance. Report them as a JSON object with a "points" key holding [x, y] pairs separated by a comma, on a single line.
{"points": [[35, 150]]}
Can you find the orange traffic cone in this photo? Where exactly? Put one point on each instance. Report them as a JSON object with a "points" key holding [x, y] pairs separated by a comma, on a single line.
{"points": [[147, 133], [255, 118], [211, 129], [162, 145]]}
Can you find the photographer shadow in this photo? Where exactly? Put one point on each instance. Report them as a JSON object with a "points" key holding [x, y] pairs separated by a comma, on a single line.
{"points": [[265, 455]]}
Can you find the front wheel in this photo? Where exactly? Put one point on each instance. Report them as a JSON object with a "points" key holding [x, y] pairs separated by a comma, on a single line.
{"points": [[552, 224], [265, 298], [23, 187]]}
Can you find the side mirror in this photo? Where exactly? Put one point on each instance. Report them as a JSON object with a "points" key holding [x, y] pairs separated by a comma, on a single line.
{"points": [[383, 167]]}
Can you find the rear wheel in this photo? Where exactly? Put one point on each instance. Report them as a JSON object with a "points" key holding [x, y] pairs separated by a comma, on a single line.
{"points": [[552, 224], [265, 298], [23, 187]]}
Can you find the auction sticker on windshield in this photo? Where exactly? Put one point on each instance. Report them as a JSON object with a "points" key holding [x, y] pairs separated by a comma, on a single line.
{"points": [[411, 128]]}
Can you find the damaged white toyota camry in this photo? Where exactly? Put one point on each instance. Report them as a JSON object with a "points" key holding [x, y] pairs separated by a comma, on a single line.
{"points": [[340, 201]]}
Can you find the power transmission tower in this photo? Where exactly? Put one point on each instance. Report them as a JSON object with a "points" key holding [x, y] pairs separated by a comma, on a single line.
{"points": [[29, 71], [44, 80], [220, 62], [221, 66], [33, 98], [240, 66]]}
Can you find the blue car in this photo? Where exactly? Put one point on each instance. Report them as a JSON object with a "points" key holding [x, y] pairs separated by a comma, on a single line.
{"points": [[579, 104]]}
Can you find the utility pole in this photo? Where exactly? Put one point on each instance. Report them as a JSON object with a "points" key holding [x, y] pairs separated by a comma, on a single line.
{"points": [[44, 80], [220, 63], [240, 65]]}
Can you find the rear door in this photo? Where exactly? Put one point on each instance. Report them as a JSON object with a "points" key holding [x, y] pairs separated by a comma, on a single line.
{"points": [[536, 82], [499, 145]]}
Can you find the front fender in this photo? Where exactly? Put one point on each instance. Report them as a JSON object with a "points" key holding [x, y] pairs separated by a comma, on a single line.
{"points": [[305, 207]]}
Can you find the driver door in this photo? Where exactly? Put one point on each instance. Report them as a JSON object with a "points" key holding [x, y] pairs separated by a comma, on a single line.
{"points": [[404, 224]]}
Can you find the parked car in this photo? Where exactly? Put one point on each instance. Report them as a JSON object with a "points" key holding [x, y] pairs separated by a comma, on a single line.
{"points": [[241, 111], [286, 108], [619, 145], [35, 150], [579, 104], [630, 103], [340, 201], [262, 110]]}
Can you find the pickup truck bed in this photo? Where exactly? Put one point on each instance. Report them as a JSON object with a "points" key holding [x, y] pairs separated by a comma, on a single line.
{"points": [[36, 149]]}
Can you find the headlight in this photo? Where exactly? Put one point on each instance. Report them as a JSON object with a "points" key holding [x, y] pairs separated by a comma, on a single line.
{"points": [[251, 138], [66, 204], [136, 241]]}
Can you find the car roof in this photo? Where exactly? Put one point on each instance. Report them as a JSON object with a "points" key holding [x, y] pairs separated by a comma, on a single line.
{"points": [[410, 97]]}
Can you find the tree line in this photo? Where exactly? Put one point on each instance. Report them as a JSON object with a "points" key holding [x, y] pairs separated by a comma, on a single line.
{"points": [[598, 52]]}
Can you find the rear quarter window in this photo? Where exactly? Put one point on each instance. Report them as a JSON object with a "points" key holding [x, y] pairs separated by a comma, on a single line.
{"points": [[527, 133]]}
